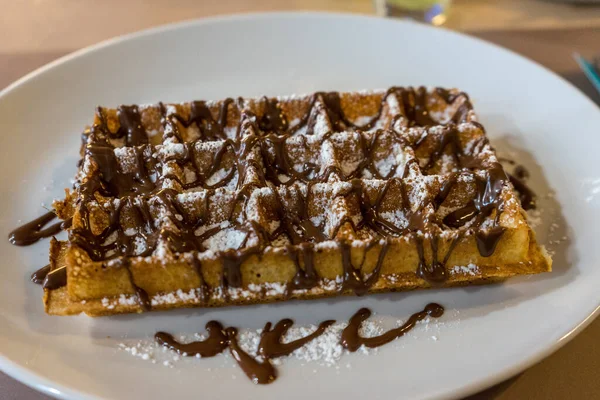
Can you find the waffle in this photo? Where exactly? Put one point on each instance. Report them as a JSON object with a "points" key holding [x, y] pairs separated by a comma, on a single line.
{"points": [[255, 200]]}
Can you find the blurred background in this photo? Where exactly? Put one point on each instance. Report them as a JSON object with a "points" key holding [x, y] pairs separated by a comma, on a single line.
{"points": [[34, 32]]}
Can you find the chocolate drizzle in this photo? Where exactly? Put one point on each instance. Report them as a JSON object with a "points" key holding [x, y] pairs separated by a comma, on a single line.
{"points": [[38, 276], [200, 114], [270, 345], [306, 278], [352, 340], [142, 296], [131, 126], [521, 172], [113, 181], [488, 240], [50, 279], [216, 342], [352, 279], [271, 341], [273, 119], [462, 111], [259, 372], [55, 279], [33, 231], [269, 133], [526, 195], [518, 178]]}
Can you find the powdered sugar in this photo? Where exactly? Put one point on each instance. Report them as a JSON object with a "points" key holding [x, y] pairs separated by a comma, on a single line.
{"points": [[254, 205], [266, 289], [126, 158], [218, 176], [419, 189], [534, 217], [170, 150], [176, 297], [225, 239], [396, 218], [325, 350], [470, 269]]}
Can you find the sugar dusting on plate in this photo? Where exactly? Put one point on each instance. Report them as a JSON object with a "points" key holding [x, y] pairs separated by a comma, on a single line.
{"points": [[324, 350]]}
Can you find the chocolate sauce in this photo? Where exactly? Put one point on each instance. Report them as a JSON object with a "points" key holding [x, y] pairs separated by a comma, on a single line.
{"points": [[460, 217], [219, 339], [210, 128], [435, 271], [259, 372], [271, 346], [273, 119], [49, 278], [352, 340], [135, 189], [414, 106], [518, 179], [306, 278], [216, 342], [462, 111], [114, 182], [33, 231], [352, 278], [142, 296], [55, 279], [487, 200], [506, 160], [412, 102], [131, 126], [520, 172], [204, 294], [526, 195], [38, 276]]}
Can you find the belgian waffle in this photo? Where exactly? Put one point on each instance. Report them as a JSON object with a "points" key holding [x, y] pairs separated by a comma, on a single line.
{"points": [[255, 200]]}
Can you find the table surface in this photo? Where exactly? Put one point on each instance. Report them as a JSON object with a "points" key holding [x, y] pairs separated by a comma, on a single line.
{"points": [[571, 372]]}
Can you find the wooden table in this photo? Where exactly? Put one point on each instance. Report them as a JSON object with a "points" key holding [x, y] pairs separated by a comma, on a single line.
{"points": [[573, 371]]}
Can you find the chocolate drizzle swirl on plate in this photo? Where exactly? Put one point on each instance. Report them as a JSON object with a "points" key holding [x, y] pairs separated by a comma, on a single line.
{"points": [[36, 229], [271, 345], [216, 342], [352, 340], [262, 371]]}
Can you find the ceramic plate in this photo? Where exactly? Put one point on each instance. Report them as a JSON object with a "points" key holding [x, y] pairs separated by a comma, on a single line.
{"points": [[487, 334]]}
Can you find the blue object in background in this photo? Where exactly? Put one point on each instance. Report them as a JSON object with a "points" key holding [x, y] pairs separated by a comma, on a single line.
{"points": [[589, 70]]}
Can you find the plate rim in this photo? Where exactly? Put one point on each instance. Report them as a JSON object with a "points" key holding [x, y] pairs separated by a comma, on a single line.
{"points": [[44, 385]]}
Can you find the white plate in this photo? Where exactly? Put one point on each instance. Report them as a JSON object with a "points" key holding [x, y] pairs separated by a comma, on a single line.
{"points": [[489, 333]]}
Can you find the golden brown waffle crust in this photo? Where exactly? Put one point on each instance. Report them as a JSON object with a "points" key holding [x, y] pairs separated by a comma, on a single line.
{"points": [[58, 302]]}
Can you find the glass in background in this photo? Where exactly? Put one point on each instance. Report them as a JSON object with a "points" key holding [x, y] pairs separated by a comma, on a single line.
{"points": [[433, 12]]}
